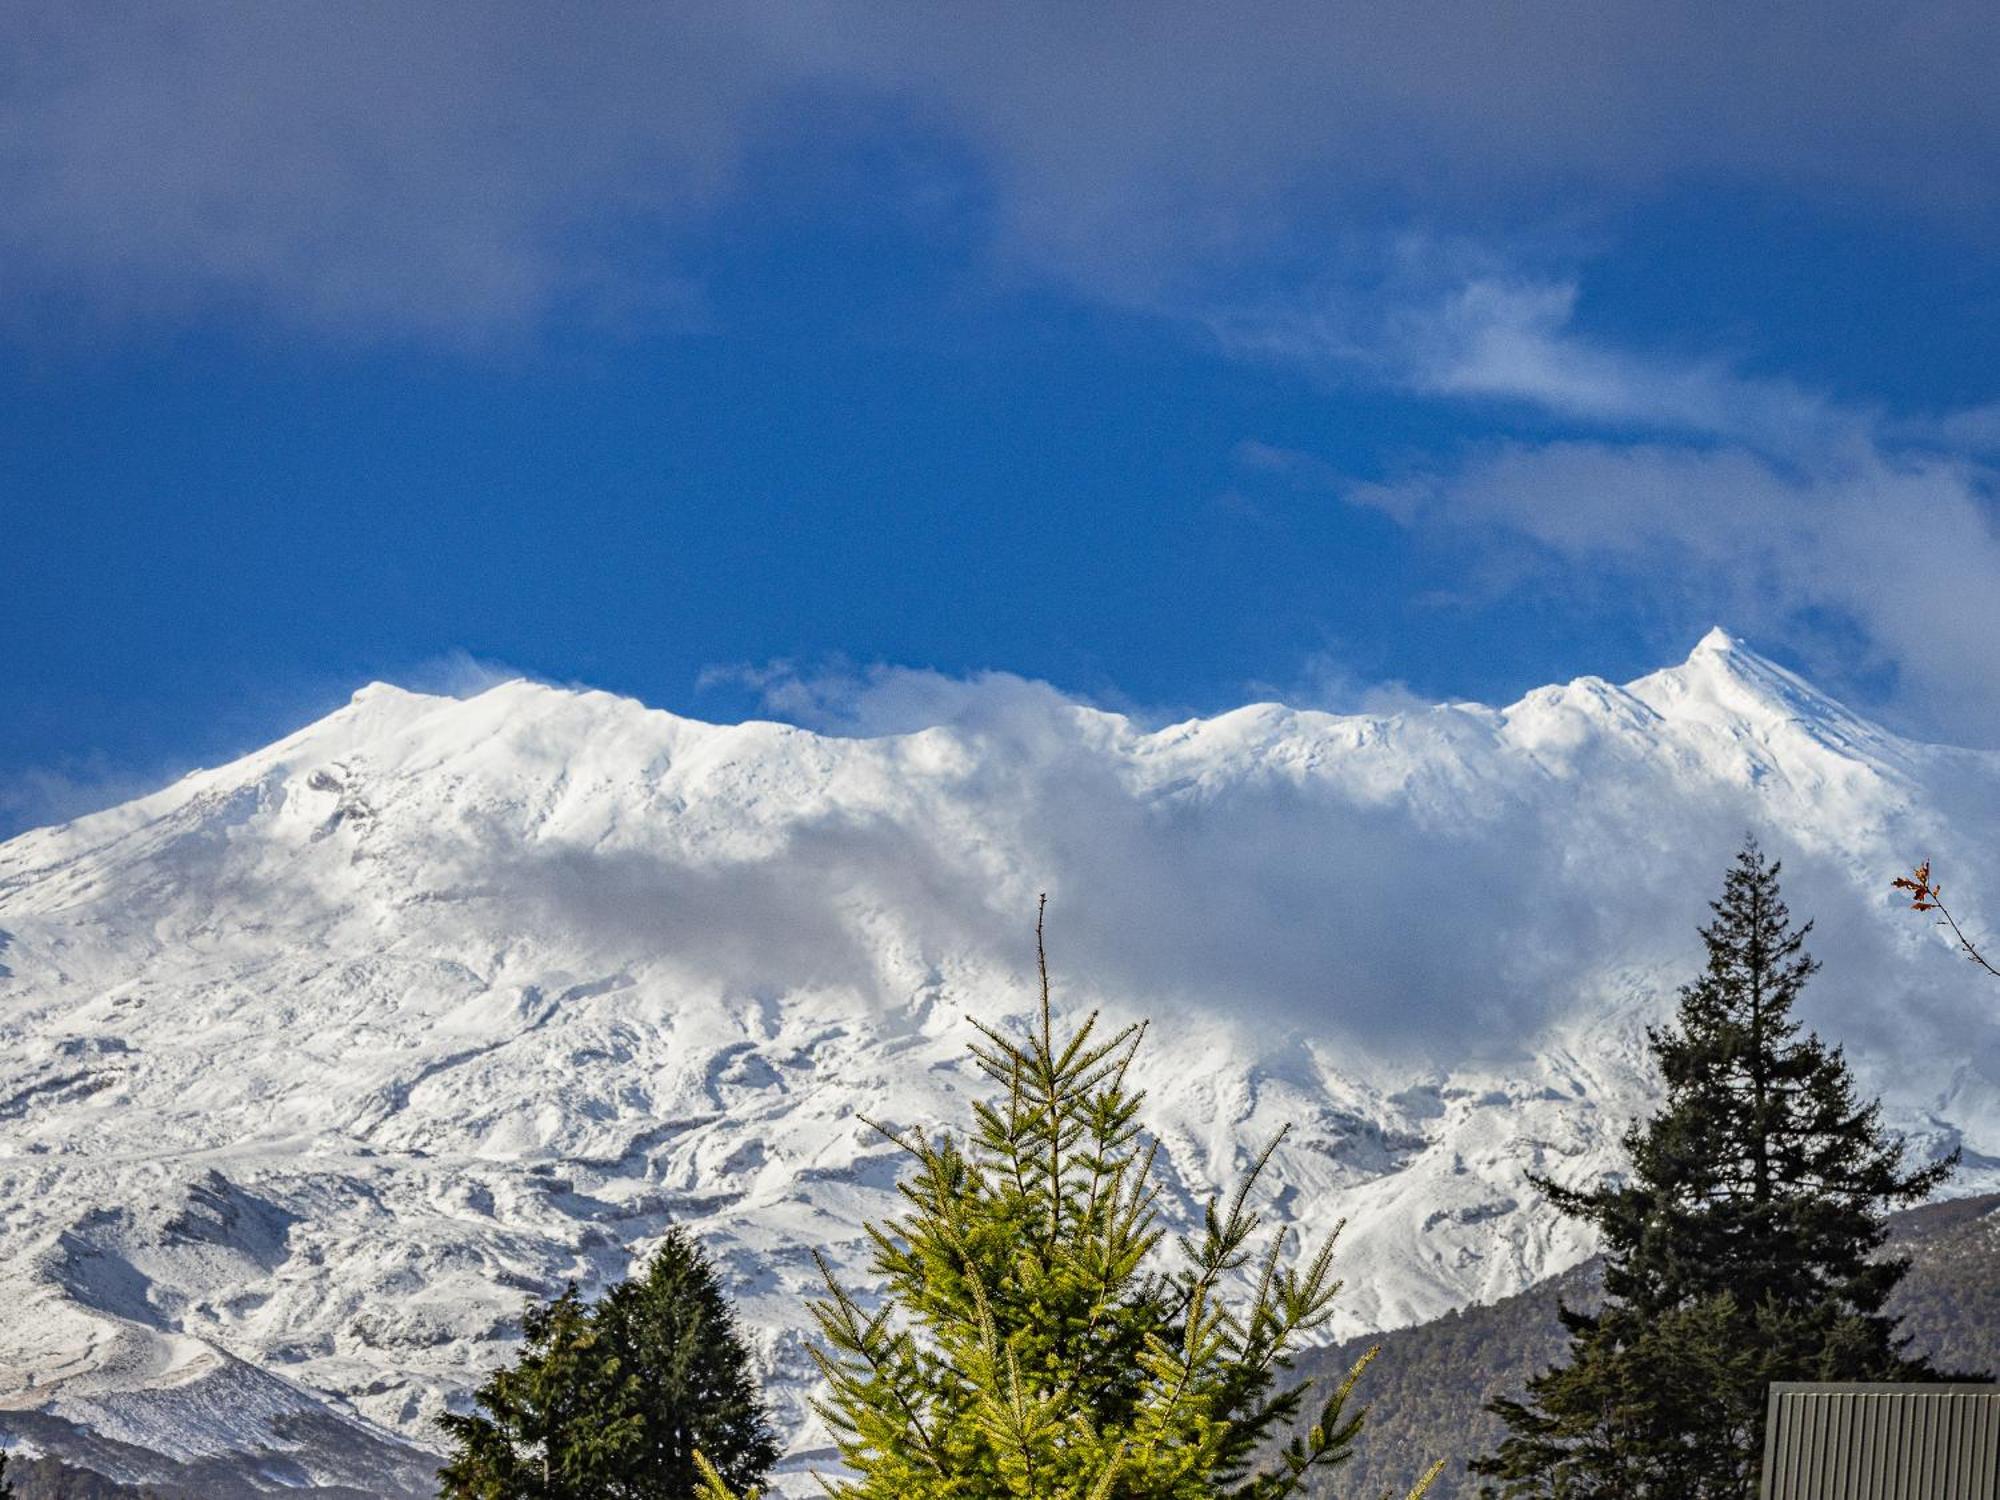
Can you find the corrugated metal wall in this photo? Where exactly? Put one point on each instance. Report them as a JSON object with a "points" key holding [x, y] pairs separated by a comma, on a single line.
{"points": [[1882, 1442]]}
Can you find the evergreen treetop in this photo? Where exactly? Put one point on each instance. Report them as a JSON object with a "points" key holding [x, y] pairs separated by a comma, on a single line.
{"points": [[1026, 1344], [1764, 1173], [610, 1402], [673, 1333]]}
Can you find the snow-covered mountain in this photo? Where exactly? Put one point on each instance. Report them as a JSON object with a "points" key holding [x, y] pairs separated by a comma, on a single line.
{"points": [[314, 1066]]}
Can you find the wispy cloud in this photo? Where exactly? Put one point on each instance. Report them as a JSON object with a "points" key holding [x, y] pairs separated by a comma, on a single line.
{"points": [[1905, 548], [36, 796], [1516, 341], [1713, 493], [41, 796], [1328, 681], [1449, 321], [459, 673], [1970, 429]]}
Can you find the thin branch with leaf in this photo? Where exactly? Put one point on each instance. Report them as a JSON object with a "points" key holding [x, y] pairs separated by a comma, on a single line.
{"points": [[1925, 896]]}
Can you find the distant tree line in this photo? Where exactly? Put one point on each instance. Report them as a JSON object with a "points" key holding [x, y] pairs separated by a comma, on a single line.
{"points": [[1033, 1337]]}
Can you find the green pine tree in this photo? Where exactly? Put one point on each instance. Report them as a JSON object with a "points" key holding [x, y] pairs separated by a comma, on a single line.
{"points": [[610, 1402], [1742, 1249], [541, 1437], [1027, 1345], [674, 1337]]}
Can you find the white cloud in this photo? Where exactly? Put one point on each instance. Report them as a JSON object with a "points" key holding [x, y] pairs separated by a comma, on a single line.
{"points": [[1904, 547], [1448, 322], [1516, 341], [1395, 890], [1690, 489]]}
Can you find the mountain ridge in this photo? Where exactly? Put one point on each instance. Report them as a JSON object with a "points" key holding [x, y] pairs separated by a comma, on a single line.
{"points": [[326, 1057]]}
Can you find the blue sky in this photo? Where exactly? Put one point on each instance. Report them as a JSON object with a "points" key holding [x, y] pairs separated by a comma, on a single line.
{"points": [[736, 357]]}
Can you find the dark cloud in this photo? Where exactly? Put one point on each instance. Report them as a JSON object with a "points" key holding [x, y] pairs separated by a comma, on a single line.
{"points": [[378, 169]]}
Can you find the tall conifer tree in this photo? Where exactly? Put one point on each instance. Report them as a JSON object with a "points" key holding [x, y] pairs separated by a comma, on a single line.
{"points": [[541, 1435], [1743, 1248]]}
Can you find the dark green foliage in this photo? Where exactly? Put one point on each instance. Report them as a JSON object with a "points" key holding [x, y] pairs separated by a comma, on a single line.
{"points": [[1743, 1249], [1027, 1347], [673, 1334], [611, 1401], [542, 1435]]}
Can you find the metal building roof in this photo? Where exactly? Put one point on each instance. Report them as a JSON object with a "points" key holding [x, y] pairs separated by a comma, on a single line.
{"points": [[1882, 1442]]}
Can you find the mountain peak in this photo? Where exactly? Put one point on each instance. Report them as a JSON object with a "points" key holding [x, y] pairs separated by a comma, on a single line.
{"points": [[376, 691], [1729, 686], [1722, 664], [1718, 642]]}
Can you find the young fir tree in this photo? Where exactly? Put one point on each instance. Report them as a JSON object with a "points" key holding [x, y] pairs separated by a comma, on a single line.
{"points": [[610, 1402], [1742, 1249], [1026, 1346]]}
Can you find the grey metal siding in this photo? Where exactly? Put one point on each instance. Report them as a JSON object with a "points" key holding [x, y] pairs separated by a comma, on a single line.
{"points": [[1882, 1442]]}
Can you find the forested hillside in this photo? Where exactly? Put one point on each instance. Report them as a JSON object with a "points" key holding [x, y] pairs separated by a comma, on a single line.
{"points": [[1428, 1388]]}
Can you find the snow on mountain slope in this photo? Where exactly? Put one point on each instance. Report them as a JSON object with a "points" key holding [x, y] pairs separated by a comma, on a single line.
{"points": [[314, 1066]]}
